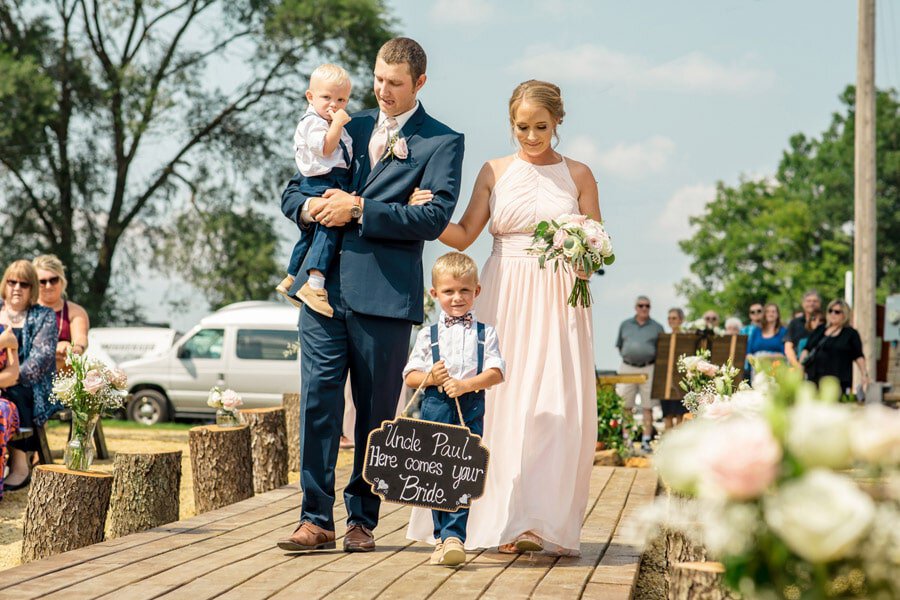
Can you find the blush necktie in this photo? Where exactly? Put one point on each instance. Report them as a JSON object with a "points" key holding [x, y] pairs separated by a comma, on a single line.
{"points": [[379, 141]]}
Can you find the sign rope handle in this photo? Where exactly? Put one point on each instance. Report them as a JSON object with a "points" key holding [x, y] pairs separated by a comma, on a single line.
{"points": [[415, 396]]}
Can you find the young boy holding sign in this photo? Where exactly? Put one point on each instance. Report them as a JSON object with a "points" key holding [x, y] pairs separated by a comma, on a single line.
{"points": [[457, 358]]}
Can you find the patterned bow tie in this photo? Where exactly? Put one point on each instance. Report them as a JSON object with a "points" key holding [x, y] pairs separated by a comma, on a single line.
{"points": [[466, 320]]}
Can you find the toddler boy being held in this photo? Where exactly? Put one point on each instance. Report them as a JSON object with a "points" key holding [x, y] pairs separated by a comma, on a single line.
{"points": [[457, 358], [323, 151]]}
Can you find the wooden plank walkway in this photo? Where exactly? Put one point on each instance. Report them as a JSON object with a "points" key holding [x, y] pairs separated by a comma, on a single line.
{"points": [[230, 553]]}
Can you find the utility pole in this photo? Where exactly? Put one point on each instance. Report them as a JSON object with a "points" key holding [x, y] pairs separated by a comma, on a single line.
{"points": [[864, 236]]}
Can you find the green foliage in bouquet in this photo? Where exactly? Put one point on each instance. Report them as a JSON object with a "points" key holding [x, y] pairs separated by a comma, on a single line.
{"points": [[615, 424]]}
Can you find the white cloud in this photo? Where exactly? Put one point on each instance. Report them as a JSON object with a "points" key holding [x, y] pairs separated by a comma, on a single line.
{"points": [[626, 160], [461, 12], [688, 201], [593, 63]]}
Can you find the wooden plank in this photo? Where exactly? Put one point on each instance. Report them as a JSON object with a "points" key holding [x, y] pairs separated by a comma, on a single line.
{"points": [[570, 575], [325, 580], [620, 563], [258, 557], [48, 566], [607, 591], [479, 574], [137, 564]]}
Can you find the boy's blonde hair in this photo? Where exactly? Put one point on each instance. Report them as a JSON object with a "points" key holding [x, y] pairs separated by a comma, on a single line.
{"points": [[456, 265], [329, 72]]}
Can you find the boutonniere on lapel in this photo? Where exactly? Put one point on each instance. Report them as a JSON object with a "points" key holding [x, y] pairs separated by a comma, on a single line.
{"points": [[396, 148]]}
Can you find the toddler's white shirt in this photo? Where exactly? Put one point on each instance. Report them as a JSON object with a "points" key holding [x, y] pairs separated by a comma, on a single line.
{"points": [[458, 346], [309, 138]]}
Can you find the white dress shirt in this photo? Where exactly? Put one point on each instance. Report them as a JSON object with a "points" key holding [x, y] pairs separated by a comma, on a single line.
{"points": [[458, 347], [401, 121], [309, 140]]}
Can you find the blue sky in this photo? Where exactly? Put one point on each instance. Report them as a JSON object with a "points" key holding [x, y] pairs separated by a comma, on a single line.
{"points": [[663, 99]]}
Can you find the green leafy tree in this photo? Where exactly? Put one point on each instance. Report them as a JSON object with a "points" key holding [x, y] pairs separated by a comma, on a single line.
{"points": [[772, 239], [113, 111]]}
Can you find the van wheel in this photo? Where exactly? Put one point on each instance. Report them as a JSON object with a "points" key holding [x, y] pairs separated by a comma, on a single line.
{"points": [[148, 407]]}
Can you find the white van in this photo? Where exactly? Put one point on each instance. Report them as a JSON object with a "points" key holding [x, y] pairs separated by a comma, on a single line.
{"points": [[250, 347], [114, 345]]}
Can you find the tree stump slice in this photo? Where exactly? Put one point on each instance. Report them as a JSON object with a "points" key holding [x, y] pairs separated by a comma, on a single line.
{"points": [[221, 465], [66, 510], [690, 580], [145, 491], [291, 404], [269, 447]]}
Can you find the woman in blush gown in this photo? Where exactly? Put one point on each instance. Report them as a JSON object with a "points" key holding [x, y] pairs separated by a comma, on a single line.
{"points": [[541, 423]]}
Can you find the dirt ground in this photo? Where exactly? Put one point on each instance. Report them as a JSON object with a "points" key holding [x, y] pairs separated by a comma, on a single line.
{"points": [[118, 439]]}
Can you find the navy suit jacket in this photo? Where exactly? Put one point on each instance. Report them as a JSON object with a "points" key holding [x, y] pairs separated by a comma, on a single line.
{"points": [[380, 262]]}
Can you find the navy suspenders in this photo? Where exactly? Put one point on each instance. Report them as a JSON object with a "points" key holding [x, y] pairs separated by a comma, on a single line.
{"points": [[436, 351]]}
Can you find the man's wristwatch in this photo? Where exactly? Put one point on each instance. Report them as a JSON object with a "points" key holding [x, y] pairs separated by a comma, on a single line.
{"points": [[356, 209]]}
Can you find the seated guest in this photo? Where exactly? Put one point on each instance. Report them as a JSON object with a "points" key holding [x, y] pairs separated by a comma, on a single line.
{"points": [[9, 375], [812, 323], [71, 319], [755, 313], [35, 331], [711, 318], [675, 319]]}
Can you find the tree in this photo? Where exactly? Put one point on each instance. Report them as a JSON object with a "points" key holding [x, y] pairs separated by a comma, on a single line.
{"points": [[772, 239], [113, 110]]}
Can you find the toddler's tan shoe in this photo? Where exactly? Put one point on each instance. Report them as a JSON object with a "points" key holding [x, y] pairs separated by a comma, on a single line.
{"points": [[316, 300], [284, 288], [454, 553]]}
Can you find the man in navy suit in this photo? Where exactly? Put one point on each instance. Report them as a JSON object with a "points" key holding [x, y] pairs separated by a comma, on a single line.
{"points": [[374, 284]]}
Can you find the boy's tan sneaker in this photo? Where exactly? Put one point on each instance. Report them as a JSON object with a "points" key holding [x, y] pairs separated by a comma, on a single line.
{"points": [[316, 300], [437, 554], [284, 288], [454, 553]]}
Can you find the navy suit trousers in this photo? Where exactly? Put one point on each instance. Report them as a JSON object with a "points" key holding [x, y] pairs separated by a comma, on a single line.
{"points": [[374, 349]]}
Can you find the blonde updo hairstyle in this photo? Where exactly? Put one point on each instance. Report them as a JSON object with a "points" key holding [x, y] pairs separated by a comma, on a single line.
{"points": [[50, 262], [542, 93]]}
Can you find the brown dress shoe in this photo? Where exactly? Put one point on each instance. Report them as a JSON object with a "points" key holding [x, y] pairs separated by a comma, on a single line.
{"points": [[316, 300], [308, 537], [358, 539]]}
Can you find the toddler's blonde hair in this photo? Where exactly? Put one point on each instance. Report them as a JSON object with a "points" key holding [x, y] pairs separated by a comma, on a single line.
{"points": [[329, 72], [456, 265]]}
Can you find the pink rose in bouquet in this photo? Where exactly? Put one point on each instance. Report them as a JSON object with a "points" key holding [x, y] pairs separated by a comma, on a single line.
{"points": [[118, 379], [93, 381], [707, 368], [744, 457], [231, 400]]}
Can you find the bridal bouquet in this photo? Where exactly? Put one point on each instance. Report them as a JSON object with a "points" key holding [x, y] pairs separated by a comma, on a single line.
{"points": [[578, 241], [797, 495]]}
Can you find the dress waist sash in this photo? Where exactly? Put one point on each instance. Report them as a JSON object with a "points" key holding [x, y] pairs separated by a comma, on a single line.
{"points": [[513, 244]]}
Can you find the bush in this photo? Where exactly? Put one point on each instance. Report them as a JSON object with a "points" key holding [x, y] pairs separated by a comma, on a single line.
{"points": [[615, 424]]}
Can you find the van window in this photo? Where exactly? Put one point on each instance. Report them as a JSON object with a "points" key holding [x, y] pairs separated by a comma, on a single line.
{"points": [[266, 344], [206, 343]]}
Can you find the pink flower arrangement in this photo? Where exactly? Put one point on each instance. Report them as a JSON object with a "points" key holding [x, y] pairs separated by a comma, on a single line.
{"points": [[93, 381]]}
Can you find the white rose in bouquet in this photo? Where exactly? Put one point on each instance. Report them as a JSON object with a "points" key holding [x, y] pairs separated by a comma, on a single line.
{"points": [[572, 247], [681, 457], [875, 435], [819, 434], [821, 516], [215, 398], [63, 388], [691, 362]]}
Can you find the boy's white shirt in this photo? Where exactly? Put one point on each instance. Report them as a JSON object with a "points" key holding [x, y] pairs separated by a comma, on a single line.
{"points": [[309, 139], [458, 346]]}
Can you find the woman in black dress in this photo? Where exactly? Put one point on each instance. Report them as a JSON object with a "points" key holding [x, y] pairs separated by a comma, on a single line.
{"points": [[833, 348]]}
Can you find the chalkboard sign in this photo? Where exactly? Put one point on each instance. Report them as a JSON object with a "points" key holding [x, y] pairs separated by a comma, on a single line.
{"points": [[421, 463]]}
